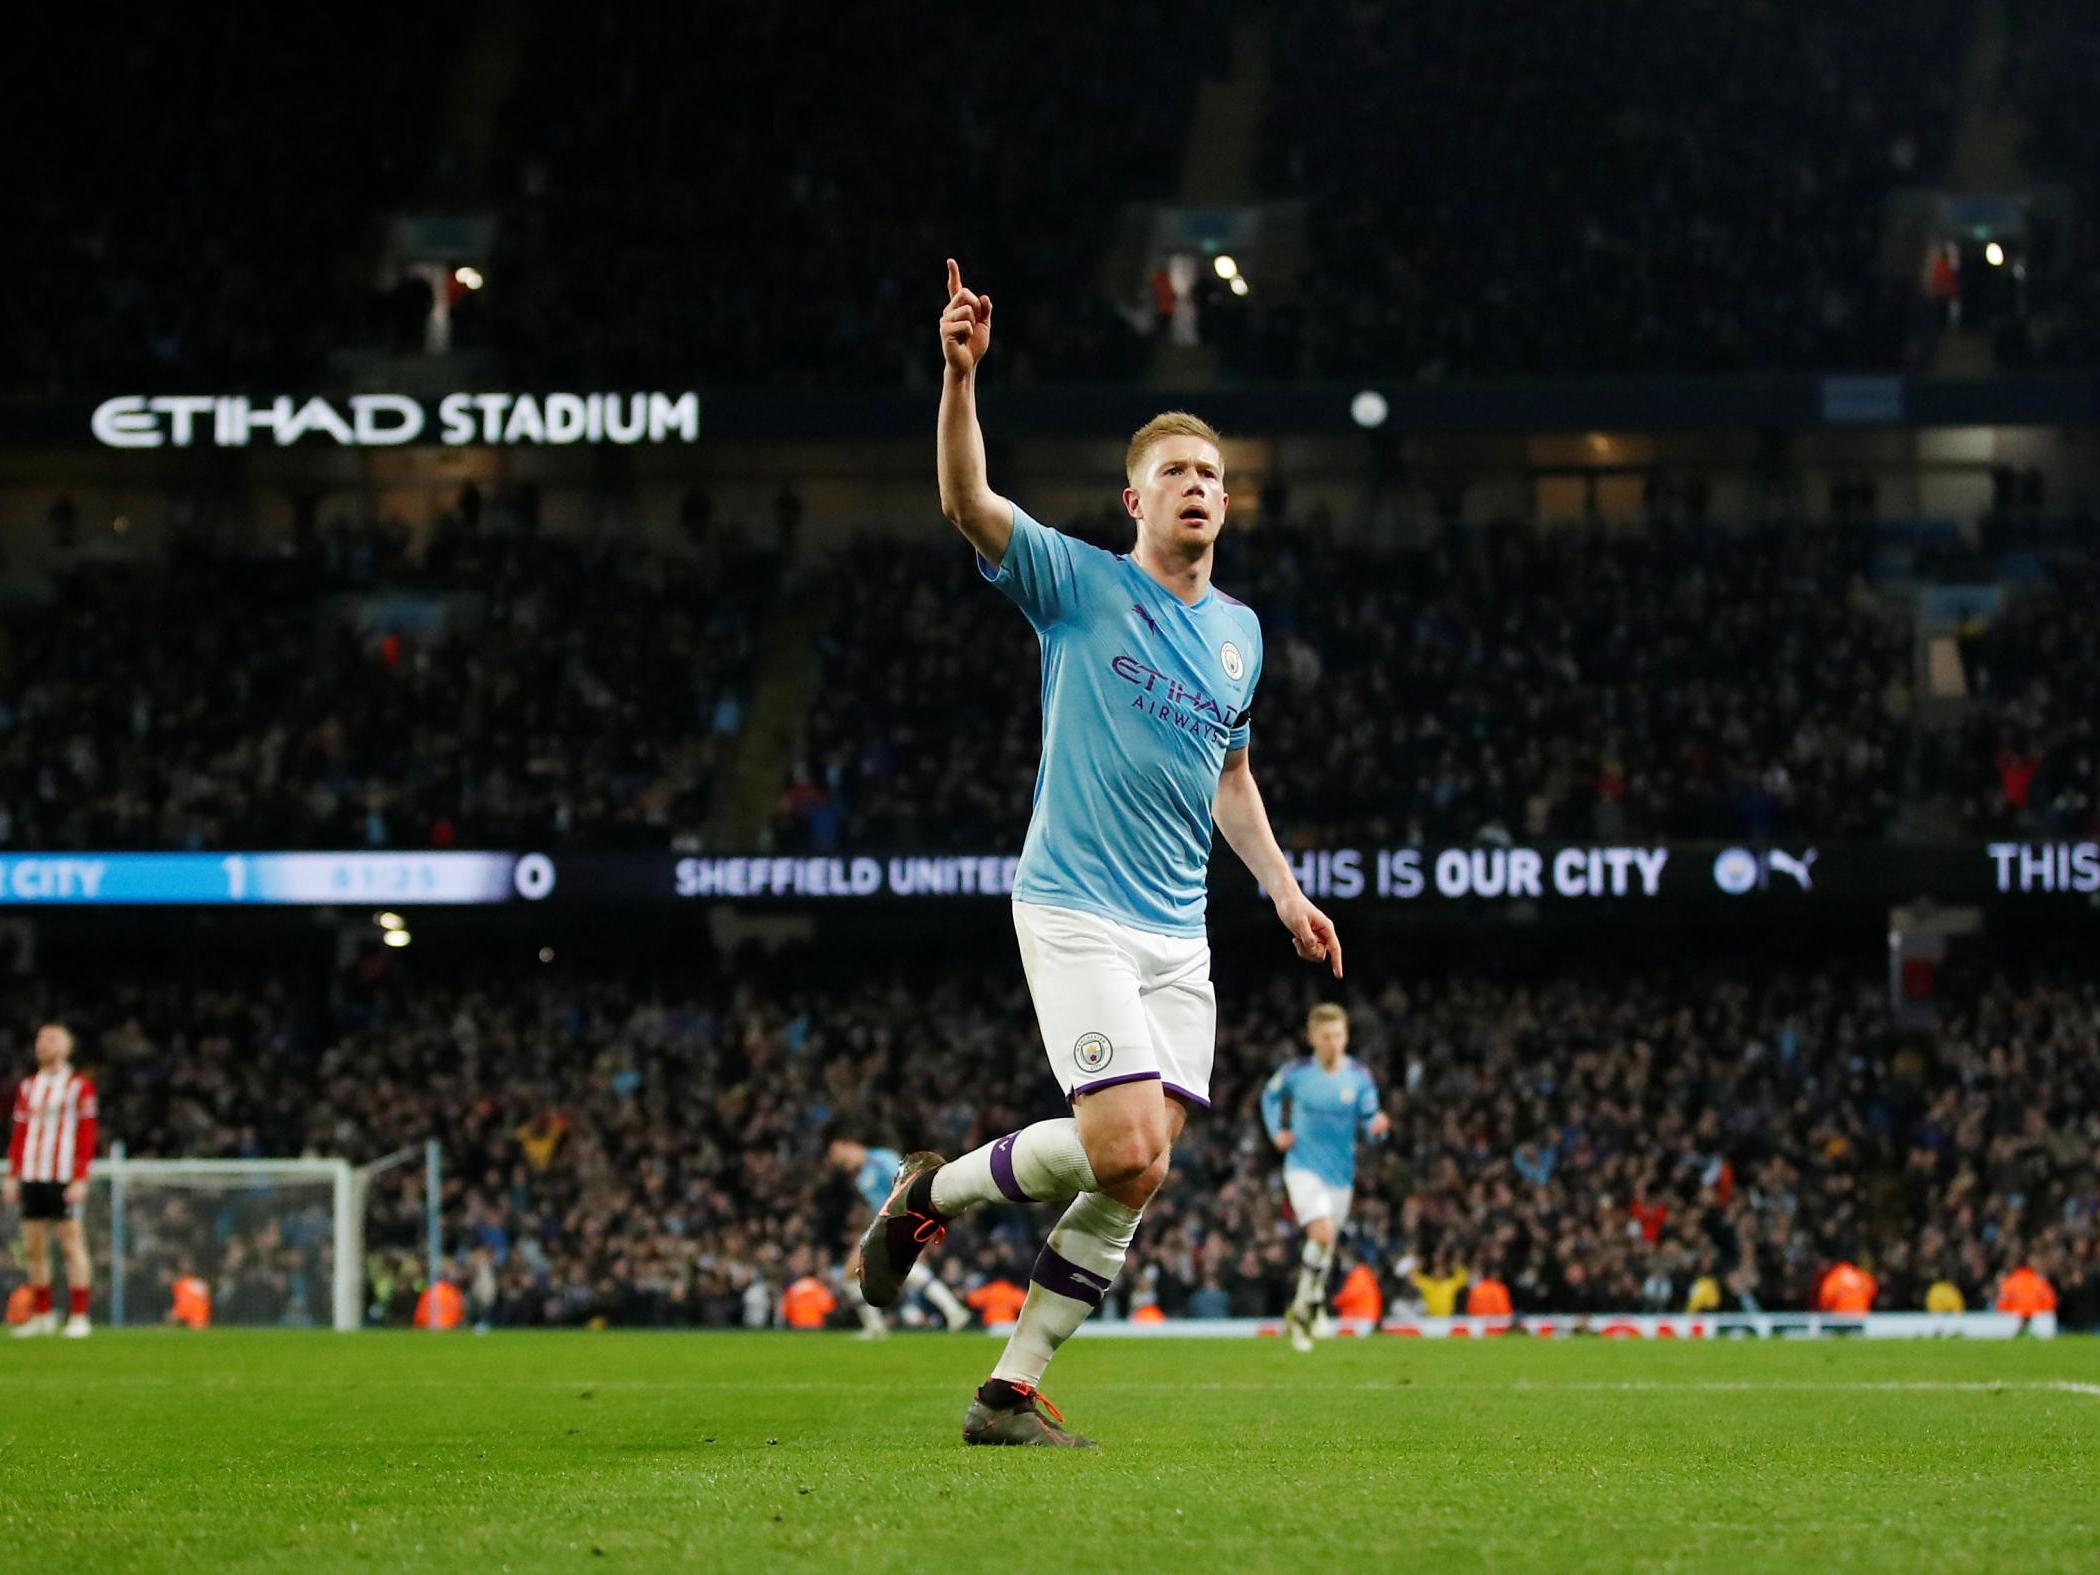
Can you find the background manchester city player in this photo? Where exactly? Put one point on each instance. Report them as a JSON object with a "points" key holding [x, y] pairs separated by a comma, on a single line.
{"points": [[1315, 1110], [1149, 675]]}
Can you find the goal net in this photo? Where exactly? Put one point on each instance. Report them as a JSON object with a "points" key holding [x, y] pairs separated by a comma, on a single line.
{"points": [[275, 1242]]}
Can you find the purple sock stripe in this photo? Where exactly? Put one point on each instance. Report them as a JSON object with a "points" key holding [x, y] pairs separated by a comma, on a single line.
{"points": [[1055, 1272], [1110, 1082], [1003, 1169], [1186, 1097]]}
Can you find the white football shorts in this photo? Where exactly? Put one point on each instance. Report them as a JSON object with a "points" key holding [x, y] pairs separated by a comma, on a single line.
{"points": [[1315, 1199], [1117, 1004]]}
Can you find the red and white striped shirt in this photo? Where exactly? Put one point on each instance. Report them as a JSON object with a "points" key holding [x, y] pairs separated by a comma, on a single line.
{"points": [[54, 1136]]}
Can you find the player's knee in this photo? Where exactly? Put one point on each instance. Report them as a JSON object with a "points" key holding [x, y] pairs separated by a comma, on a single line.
{"points": [[1154, 1175], [1126, 1155]]}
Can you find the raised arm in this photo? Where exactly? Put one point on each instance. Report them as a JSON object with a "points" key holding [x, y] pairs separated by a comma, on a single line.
{"points": [[967, 498], [1244, 819]]}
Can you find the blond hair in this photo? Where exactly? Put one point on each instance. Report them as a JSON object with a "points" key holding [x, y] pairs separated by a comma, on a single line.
{"points": [[1168, 423], [1325, 1012]]}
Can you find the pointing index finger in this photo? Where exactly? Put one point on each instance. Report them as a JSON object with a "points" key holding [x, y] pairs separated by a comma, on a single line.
{"points": [[954, 279]]}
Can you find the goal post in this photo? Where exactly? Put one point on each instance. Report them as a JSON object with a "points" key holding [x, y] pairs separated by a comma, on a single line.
{"points": [[284, 1237]]}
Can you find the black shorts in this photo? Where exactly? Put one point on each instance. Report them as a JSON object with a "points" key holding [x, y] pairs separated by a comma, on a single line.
{"points": [[45, 1200]]}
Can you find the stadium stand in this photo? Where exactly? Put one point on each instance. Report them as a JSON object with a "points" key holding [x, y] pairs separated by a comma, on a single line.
{"points": [[1543, 227], [2050, 72], [648, 1151], [500, 688], [699, 212], [2030, 755], [1688, 681], [234, 241]]}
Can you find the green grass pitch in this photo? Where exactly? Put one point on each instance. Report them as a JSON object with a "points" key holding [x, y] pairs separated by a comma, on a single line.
{"points": [[255, 1451]]}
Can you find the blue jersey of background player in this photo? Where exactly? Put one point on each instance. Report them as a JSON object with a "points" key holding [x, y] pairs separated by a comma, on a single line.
{"points": [[876, 1175], [1317, 1110]]}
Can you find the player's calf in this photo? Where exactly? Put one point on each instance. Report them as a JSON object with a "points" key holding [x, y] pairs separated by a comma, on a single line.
{"points": [[1043, 1163], [1072, 1276]]}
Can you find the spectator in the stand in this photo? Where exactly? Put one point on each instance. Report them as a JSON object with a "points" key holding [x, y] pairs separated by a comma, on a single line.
{"points": [[1438, 1286], [1211, 1300]]}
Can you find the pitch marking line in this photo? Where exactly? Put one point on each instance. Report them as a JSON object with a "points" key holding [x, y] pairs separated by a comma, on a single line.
{"points": [[2069, 1386], [2065, 1386]]}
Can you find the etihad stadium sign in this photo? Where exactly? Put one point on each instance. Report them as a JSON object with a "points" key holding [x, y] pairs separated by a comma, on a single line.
{"points": [[390, 420]]}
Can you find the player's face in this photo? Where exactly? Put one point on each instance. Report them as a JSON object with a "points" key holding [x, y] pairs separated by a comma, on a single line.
{"points": [[1180, 498], [847, 1156], [53, 1045], [1329, 1040]]}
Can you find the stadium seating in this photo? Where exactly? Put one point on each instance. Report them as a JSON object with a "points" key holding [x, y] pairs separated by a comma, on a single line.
{"points": [[648, 1152], [500, 690], [2055, 53], [2030, 755], [1660, 187], [1556, 683], [230, 244], [773, 247]]}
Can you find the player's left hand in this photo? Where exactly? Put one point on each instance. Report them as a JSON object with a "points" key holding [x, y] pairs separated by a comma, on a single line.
{"points": [[1312, 932], [76, 1193], [1381, 1124]]}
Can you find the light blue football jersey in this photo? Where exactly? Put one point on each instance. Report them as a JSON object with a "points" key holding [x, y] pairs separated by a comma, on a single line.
{"points": [[1328, 1110], [877, 1174], [1143, 696]]}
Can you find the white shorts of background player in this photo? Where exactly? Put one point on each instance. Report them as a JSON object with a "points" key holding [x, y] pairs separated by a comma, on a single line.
{"points": [[1313, 1198]]}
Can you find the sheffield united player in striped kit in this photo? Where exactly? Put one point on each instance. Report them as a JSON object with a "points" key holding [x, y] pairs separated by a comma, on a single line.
{"points": [[47, 1174]]}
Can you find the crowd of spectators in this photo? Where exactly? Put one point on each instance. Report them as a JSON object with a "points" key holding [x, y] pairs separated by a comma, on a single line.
{"points": [[925, 723], [497, 688], [1658, 187], [202, 206], [679, 206], [1531, 683], [2050, 69], [2030, 748], [1687, 187], [1598, 1136]]}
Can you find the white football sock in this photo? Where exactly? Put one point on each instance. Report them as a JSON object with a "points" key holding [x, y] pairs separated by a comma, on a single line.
{"points": [[1044, 1163], [948, 1305], [1312, 1277], [1072, 1273], [930, 1285]]}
